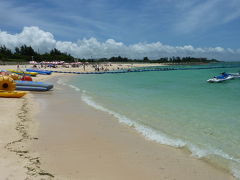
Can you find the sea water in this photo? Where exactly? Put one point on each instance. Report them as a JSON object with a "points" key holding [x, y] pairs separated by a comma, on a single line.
{"points": [[177, 108]]}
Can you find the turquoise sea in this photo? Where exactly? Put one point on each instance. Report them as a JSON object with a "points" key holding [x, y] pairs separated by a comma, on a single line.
{"points": [[176, 108]]}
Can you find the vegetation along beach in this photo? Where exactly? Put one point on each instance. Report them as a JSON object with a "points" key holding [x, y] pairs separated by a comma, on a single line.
{"points": [[119, 90]]}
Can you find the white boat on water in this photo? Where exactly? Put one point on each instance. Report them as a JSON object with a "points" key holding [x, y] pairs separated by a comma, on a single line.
{"points": [[221, 78]]}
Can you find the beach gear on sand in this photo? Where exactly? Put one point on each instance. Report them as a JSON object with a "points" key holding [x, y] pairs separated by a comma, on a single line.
{"points": [[7, 87], [12, 94], [23, 72], [48, 86], [14, 76], [39, 71], [3, 73], [26, 78], [7, 83], [31, 88]]}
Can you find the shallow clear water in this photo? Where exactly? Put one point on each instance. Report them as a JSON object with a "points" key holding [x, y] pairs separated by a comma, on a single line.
{"points": [[178, 108]]}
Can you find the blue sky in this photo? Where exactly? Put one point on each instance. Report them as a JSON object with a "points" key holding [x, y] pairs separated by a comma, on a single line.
{"points": [[199, 23]]}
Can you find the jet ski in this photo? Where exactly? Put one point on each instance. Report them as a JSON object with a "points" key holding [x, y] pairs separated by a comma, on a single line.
{"points": [[221, 78]]}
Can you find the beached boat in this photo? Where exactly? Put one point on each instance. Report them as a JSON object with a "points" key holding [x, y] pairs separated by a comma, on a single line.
{"points": [[12, 94], [48, 86], [39, 71], [23, 72], [221, 78]]}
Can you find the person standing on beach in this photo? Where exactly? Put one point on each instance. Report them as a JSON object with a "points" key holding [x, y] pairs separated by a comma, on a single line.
{"points": [[84, 66]]}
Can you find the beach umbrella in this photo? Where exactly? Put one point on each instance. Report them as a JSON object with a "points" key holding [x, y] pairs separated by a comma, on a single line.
{"points": [[33, 62]]}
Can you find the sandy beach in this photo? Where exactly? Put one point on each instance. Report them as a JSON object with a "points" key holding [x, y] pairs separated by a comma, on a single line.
{"points": [[53, 136]]}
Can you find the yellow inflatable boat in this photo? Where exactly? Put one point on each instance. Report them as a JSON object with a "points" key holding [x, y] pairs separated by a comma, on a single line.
{"points": [[23, 72], [15, 76], [12, 94], [7, 83]]}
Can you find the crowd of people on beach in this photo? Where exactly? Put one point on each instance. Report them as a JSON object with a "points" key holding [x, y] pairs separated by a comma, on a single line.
{"points": [[83, 66]]}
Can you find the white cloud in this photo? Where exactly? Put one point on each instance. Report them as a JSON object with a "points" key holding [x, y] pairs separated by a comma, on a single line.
{"points": [[43, 41], [32, 36], [200, 15]]}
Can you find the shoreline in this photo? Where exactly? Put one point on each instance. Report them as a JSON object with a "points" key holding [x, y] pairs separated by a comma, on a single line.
{"points": [[33, 164], [109, 141]]}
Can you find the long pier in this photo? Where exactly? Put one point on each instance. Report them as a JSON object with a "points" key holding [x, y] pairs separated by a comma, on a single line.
{"points": [[145, 70]]}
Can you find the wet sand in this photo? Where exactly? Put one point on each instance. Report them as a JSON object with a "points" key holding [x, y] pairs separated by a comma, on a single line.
{"points": [[79, 142]]}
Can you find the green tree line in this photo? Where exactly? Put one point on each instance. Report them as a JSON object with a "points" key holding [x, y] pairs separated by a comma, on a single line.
{"points": [[26, 53], [160, 60]]}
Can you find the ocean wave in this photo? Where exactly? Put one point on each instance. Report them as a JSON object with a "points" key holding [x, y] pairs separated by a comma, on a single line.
{"points": [[200, 153], [74, 87], [162, 138], [236, 172], [61, 82], [146, 131]]}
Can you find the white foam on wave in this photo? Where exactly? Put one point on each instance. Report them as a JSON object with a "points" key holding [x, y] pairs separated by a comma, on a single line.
{"points": [[146, 131], [233, 163], [61, 82], [200, 153], [236, 172], [162, 138], [74, 87]]}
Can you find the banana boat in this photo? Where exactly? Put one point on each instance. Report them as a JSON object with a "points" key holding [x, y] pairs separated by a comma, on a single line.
{"points": [[12, 94], [23, 72], [39, 71]]}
